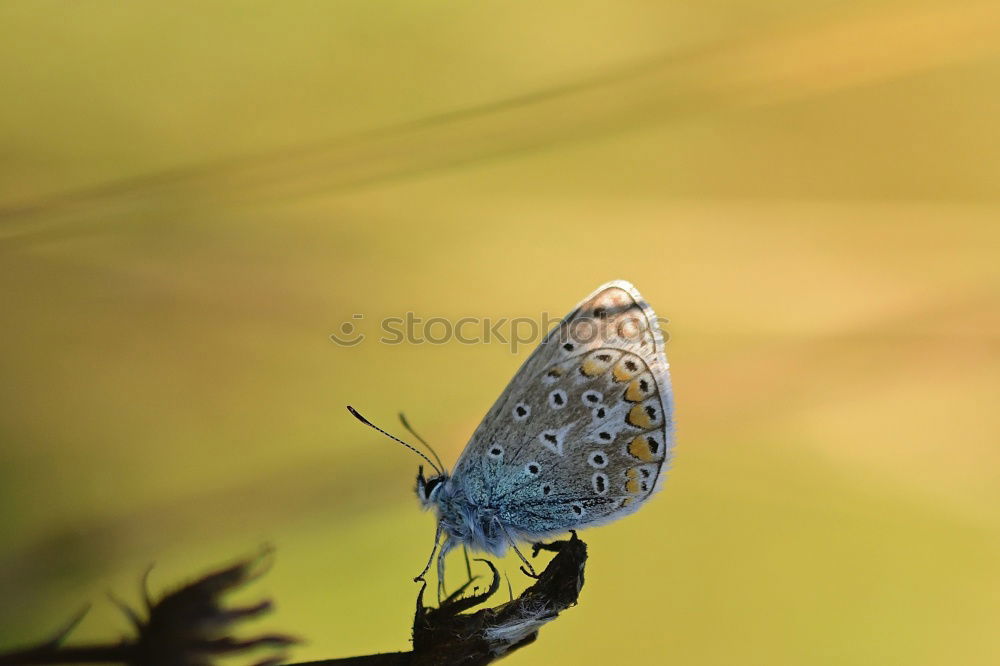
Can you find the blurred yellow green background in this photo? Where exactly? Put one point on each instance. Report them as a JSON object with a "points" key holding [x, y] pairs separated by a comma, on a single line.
{"points": [[193, 196]]}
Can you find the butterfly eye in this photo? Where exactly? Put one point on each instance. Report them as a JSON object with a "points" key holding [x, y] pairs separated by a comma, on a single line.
{"points": [[495, 452], [430, 485], [521, 411], [600, 482], [592, 398], [546, 489], [533, 468], [578, 509]]}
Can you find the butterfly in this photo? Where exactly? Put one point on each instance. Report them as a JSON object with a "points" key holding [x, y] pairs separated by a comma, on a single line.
{"points": [[582, 435]]}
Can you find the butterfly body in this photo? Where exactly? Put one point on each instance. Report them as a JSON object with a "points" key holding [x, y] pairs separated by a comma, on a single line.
{"points": [[483, 522], [581, 436], [476, 524]]}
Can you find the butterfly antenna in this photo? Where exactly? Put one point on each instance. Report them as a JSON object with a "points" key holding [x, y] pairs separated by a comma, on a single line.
{"points": [[368, 423], [406, 424]]}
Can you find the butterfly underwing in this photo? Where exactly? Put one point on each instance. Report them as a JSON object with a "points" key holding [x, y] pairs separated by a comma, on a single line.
{"points": [[581, 436]]}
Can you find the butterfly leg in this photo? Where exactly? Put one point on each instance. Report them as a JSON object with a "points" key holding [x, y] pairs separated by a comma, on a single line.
{"points": [[468, 566], [530, 571], [468, 569], [445, 549], [437, 537]]}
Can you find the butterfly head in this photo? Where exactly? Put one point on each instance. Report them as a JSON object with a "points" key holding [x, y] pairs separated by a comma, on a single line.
{"points": [[428, 489]]}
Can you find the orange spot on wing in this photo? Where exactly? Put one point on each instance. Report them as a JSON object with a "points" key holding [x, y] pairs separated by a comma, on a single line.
{"points": [[635, 392], [639, 448], [598, 362], [638, 417], [623, 372]]}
